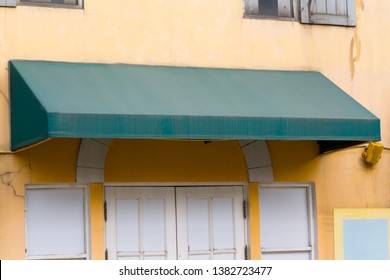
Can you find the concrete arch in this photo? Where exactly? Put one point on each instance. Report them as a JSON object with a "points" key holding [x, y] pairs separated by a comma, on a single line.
{"points": [[92, 155], [91, 160]]}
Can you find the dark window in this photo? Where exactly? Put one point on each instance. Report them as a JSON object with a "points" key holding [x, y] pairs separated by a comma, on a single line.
{"points": [[268, 7]]}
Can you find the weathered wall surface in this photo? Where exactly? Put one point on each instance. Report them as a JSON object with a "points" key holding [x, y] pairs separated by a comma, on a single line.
{"points": [[207, 34]]}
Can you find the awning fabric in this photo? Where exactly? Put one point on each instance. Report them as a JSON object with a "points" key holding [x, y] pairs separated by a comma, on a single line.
{"points": [[86, 100]]}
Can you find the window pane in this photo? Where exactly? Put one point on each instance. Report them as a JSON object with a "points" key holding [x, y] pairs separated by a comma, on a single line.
{"points": [[273, 8], [128, 258], [198, 224], [198, 257], [149, 258], [55, 221], [223, 223], [127, 225], [284, 217], [268, 7], [153, 225], [286, 256]]}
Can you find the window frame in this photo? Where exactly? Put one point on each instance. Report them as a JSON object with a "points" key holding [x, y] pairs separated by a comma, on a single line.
{"points": [[79, 5], [295, 17], [311, 214], [86, 212]]}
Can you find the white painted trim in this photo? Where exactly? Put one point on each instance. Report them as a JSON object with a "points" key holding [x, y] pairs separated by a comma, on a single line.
{"points": [[287, 185], [60, 257], [286, 250]]}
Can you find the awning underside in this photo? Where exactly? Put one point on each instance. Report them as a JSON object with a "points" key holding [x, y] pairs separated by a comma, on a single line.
{"points": [[84, 100]]}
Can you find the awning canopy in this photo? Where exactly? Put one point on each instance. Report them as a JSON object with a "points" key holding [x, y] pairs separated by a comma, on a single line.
{"points": [[85, 100]]}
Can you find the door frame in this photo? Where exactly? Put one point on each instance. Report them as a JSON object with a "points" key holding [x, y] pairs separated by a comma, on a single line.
{"points": [[244, 186]]}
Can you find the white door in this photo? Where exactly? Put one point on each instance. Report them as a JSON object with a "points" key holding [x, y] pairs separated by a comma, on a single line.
{"points": [[140, 223], [175, 223], [210, 223]]}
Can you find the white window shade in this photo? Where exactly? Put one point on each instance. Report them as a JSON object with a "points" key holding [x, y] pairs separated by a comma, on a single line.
{"points": [[56, 223], [284, 211]]}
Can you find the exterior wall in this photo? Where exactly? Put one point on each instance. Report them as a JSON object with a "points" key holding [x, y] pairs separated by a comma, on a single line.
{"points": [[175, 161], [342, 180], [50, 162], [207, 34]]}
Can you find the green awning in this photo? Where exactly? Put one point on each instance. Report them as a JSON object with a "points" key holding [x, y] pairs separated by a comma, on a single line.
{"points": [[86, 100]]}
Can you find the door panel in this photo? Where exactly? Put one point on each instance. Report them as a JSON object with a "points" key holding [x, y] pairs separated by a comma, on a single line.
{"points": [[141, 223], [210, 223]]}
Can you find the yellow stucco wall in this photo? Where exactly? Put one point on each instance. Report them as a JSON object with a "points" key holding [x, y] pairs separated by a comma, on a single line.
{"points": [[209, 34], [50, 162], [342, 180], [201, 33], [175, 161], [97, 221]]}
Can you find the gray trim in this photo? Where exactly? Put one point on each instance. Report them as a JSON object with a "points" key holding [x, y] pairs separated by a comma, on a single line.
{"points": [[79, 5], [258, 160], [91, 160]]}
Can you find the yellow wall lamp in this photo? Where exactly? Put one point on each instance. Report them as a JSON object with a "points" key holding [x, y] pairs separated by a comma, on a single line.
{"points": [[373, 152]]}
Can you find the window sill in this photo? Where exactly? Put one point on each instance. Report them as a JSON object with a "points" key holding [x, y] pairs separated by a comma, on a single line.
{"points": [[261, 17], [57, 6]]}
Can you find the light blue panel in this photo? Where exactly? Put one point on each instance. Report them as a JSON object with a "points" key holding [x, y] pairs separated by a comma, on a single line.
{"points": [[366, 239]]}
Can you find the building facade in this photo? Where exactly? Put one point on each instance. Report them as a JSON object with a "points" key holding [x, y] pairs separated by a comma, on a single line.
{"points": [[226, 129]]}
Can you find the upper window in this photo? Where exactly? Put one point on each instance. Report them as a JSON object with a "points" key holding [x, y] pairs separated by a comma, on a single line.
{"points": [[58, 3], [272, 8], [56, 222], [331, 12]]}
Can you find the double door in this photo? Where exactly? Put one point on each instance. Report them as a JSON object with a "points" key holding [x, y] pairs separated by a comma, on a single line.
{"points": [[158, 223]]}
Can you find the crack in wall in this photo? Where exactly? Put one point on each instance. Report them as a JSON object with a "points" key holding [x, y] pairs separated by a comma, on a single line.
{"points": [[7, 178], [355, 48]]}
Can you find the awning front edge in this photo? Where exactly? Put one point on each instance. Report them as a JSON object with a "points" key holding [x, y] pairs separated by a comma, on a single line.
{"points": [[81, 100]]}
